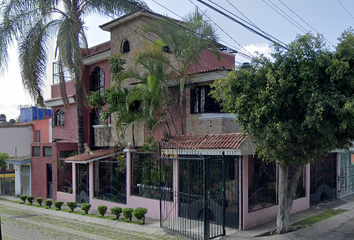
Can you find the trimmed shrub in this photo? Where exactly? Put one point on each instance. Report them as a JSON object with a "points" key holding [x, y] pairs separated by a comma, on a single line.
{"points": [[30, 199], [23, 198], [48, 203], [85, 207], [71, 205], [139, 213], [102, 209], [58, 204], [116, 211], [127, 213], [39, 200]]}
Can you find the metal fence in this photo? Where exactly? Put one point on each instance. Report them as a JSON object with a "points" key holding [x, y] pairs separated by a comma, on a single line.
{"points": [[64, 176], [146, 176], [323, 179], [7, 186], [262, 188], [110, 180]]}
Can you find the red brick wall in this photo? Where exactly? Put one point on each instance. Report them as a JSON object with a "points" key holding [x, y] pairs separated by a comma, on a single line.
{"points": [[39, 168]]}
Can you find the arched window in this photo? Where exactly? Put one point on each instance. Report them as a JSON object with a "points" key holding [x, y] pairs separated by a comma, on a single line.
{"points": [[124, 46], [59, 118], [97, 80]]}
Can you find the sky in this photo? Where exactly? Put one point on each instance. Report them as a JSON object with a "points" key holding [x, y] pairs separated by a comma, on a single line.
{"points": [[282, 19]]}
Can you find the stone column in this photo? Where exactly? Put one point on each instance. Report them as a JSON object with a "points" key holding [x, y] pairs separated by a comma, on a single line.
{"points": [[129, 150], [18, 182], [73, 180], [91, 179]]}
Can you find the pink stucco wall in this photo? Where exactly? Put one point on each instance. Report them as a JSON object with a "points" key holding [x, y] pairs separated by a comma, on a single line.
{"points": [[210, 61]]}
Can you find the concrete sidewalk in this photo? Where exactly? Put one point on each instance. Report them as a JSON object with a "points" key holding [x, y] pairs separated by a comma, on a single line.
{"points": [[311, 232], [315, 231]]}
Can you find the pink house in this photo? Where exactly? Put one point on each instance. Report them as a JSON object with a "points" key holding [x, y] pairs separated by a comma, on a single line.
{"points": [[129, 178]]}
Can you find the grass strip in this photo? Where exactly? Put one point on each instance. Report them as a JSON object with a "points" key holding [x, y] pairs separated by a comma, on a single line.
{"points": [[316, 218]]}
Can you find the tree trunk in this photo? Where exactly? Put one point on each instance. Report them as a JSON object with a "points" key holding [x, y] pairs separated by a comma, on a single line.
{"points": [[80, 128], [181, 95], [286, 195]]}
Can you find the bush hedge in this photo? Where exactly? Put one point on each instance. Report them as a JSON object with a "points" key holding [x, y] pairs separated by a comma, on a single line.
{"points": [[48, 203], [58, 204], [127, 213], [139, 213], [85, 207], [39, 200], [116, 211], [71, 205], [23, 198], [30, 199], [102, 209]]}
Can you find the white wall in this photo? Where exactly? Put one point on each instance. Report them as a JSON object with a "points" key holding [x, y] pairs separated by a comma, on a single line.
{"points": [[20, 137]]}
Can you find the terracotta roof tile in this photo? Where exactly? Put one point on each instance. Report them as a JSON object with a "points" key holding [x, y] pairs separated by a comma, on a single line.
{"points": [[86, 157], [208, 141]]}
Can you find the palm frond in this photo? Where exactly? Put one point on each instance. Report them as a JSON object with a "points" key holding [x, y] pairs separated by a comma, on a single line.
{"points": [[33, 58], [114, 8]]}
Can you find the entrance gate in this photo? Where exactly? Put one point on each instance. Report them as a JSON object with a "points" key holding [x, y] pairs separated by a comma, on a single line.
{"points": [[346, 174], [195, 206]]}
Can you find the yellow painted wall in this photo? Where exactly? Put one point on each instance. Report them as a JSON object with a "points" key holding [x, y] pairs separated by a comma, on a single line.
{"points": [[7, 175]]}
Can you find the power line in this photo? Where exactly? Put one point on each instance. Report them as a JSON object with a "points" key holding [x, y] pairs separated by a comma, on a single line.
{"points": [[261, 33], [223, 30], [242, 14], [303, 20], [244, 54], [345, 8], [265, 33], [288, 16], [283, 16]]}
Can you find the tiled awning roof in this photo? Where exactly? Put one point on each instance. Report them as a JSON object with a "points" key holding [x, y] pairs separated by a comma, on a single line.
{"points": [[92, 156], [208, 141]]}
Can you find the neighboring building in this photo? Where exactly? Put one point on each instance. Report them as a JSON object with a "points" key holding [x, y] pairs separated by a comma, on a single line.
{"points": [[17, 144], [30, 113]]}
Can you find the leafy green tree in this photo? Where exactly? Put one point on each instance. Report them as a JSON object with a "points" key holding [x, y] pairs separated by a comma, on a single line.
{"points": [[33, 23], [186, 41], [3, 157], [297, 106]]}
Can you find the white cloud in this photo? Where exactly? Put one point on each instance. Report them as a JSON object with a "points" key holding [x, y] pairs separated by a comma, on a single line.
{"points": [[261, 48]]}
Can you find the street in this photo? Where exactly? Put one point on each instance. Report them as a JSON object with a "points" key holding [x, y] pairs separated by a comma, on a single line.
{"points": [[28, 225]]}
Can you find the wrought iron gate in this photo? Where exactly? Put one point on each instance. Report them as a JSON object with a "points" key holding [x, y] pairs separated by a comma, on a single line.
{"points": [[82, 183], [346, 174], [195, 206]]}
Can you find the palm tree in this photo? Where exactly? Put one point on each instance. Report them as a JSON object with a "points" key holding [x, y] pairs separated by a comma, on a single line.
{"points": [[32, 23], [145, 102], [186, 41]]}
